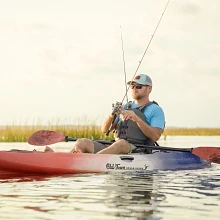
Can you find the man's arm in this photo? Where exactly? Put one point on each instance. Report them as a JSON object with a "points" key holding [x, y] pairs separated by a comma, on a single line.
{"points": [[107, 123], [151, 132]]}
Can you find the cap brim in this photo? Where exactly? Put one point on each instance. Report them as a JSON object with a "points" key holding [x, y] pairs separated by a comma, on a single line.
{"points": [[128, 83]]}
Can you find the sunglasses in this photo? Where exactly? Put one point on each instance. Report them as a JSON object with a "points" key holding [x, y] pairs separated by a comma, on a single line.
{"points": [[138, 86]]}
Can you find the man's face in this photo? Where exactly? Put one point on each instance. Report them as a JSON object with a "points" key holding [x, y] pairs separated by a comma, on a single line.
{"points": [[140, 91]]}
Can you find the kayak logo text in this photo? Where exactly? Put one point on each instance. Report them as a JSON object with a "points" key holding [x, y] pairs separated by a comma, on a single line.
{"points": [[118, 166]]}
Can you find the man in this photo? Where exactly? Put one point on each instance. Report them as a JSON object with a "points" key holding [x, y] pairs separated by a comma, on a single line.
{"points": [[140, 122]]}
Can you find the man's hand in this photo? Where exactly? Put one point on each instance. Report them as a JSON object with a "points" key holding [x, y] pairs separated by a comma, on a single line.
{"points": [[129, 114], [116, 108]]}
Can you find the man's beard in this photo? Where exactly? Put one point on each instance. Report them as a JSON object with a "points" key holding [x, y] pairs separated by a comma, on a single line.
{"points": [[136, 96]]}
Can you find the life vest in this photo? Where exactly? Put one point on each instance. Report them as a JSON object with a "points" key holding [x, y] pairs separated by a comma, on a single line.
{"points": [[130, 131]]}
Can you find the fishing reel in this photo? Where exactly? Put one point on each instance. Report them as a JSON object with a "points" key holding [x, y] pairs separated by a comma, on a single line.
{"points": [[116, 107]]}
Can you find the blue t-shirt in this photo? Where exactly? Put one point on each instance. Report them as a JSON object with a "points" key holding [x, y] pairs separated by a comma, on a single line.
{"points": [[154, 115]]}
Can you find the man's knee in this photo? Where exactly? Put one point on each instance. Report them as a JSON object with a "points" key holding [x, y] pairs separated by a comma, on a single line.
{"points": [[85, 145], [83, 140], [124, 146]]}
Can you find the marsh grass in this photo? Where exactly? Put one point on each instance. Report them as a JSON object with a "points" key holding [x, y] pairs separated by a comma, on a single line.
{"points": [[191, 131], [16, 133], [21, 133]]}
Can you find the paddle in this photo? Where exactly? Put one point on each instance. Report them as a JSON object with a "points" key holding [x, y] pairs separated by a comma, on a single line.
{"points": [[45, 137]]}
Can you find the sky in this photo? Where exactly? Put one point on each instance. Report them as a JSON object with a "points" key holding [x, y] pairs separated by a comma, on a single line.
{"points": [[61, 61]]}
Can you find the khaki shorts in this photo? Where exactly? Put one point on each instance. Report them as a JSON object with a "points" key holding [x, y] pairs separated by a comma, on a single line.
{"points": [[99, 146]]}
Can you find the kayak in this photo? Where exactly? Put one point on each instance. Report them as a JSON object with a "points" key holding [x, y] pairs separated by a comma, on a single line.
{"points": [[22, 162]]}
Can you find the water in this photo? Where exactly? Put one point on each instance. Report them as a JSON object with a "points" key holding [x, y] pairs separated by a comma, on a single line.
{"points": [[172, 195]]}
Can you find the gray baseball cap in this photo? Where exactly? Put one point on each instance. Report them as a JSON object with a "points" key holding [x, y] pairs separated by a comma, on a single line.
{"points": [[142, 79]]}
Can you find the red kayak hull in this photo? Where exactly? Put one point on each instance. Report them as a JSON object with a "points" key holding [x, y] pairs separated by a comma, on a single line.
{"points": [[36, 162]]}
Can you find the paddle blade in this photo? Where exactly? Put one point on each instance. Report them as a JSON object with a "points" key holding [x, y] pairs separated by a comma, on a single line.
{"points": [[211, 154], [45, 137]]}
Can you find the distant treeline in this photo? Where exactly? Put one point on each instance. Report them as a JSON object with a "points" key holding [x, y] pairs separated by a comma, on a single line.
{"points": [[16, 133]]}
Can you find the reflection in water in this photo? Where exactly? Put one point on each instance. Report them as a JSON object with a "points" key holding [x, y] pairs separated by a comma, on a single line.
{"points": [[110, 196], [129, 197], [28, 178], [159, 195]]}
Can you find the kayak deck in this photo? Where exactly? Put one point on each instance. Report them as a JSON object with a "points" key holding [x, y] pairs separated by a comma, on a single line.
{"points": [[37, 162]]}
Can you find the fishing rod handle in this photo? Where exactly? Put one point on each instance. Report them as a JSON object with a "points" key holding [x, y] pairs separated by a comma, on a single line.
{"points": [[116, 107], [113, 120]]}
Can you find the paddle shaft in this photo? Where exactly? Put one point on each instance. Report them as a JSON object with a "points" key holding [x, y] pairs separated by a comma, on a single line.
{"points": [[138, 145], [45, 137]]}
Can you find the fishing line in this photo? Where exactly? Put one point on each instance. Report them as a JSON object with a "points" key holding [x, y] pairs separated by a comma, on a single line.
{"points": [[122, 47], [107, 133], [146, 48]]}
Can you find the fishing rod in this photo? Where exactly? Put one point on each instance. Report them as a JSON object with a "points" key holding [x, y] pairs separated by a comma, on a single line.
{"points": [[152, 36], [147, 47], [122, 47], [116, 105]]}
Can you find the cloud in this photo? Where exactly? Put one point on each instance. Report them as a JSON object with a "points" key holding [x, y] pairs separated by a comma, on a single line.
{"points": [[188, 8]]}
